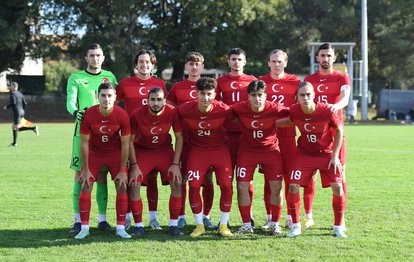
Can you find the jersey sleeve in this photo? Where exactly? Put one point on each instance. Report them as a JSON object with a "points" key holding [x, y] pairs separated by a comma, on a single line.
{"points": [[71, 95], [335, 120], [124, 123], [176, 125], [282, 111], [120, 94], [172, 96], [85, 127], [113, 80]]}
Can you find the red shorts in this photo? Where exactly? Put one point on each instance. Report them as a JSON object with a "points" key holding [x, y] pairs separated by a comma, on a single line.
{"points": [[233, 138], [159, 159], [288, 151], [305, 165], [270, 162], [111, 161], [200, 161]]}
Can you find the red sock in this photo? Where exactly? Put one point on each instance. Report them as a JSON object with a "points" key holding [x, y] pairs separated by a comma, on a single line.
{"points": [[175, 206], [276, 212], [226, 196], [136, 208], [183, 198], [266, 197], [294, 206], [286, 197], [121, 208], [85, 207], [195, 200], [251, 193], [152, 192], [308, 196], [208, 198], [338, 204], [245, 213]]}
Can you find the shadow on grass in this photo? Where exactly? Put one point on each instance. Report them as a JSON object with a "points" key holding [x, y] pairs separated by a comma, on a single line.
{"points": [[35, 238]]}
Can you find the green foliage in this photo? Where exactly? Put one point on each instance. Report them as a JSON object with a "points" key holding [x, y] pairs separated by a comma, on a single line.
{"points": [[14, 34], [37, 209], [57, 74]]}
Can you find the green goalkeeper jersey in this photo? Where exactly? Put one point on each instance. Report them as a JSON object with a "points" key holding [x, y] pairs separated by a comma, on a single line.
{"points": [[82, 89]]}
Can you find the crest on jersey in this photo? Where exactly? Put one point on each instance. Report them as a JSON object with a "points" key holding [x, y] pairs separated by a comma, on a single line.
{"points": [[105, 80]]}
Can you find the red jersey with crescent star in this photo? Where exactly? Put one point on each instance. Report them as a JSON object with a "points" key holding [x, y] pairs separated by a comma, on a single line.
{"points": [[134, 91], [282, 91], [231, 90], [182, 92], [328, 87], [315, 128], [152, 132], [105, 131], [205, 130], [259, 128]]}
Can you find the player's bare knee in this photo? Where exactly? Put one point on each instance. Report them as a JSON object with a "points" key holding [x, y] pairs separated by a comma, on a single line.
{"points": [[77, 176], [175, 189], [337, 189], [294, 188]]}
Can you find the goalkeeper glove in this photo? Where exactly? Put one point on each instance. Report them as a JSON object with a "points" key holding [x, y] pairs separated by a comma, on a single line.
{"points": [[78, 114]]}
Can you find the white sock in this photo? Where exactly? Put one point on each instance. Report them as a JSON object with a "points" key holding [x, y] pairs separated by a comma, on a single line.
{"points": [[85, 227], [140, 224], [77, 217], [248, 224], [269, 217], [288, 217], [128, 216], [173, 222], [224, 217], [183, 216], [296, 225], [120, 227], [204, 216], [152, 215], [101, 218], [309, 215], [274, 224], [198, 218]]}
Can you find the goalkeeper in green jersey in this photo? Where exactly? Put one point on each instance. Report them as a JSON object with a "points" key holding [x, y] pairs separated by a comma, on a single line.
{"points": [[82, 89]]}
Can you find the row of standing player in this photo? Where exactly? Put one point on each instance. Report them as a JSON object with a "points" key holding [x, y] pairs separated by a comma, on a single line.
{"points": [[231, 89]]}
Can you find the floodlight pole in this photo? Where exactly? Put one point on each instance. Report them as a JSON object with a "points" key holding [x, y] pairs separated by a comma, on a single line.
{"points": [[364, 51]]}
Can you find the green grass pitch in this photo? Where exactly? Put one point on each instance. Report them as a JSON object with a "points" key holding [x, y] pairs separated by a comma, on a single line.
{"points": [[36, 208]]}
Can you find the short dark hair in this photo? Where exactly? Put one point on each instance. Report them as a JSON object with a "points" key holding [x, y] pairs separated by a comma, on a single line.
{"points": [[303, 84], [153, 59], [155, 90], [237, 51], [104, 86], [206, 83], [256, 85], [325, 46], [93, 47], [194, 57]]}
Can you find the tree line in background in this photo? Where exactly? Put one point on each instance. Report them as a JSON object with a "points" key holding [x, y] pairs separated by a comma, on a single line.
{"points": [[59, 31]]}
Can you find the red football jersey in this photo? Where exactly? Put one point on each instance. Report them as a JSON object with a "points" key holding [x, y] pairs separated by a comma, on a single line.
{"points": [[231, 90], [134, 91], [282, 91], [152, 132], [328, 87], [205, 130], [105, 131], [259, 128], [316, 136], [182, 92]]}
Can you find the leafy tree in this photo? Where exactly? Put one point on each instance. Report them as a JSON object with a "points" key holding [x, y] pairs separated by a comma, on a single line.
{"points": [[14, 34], [57, 74]]}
